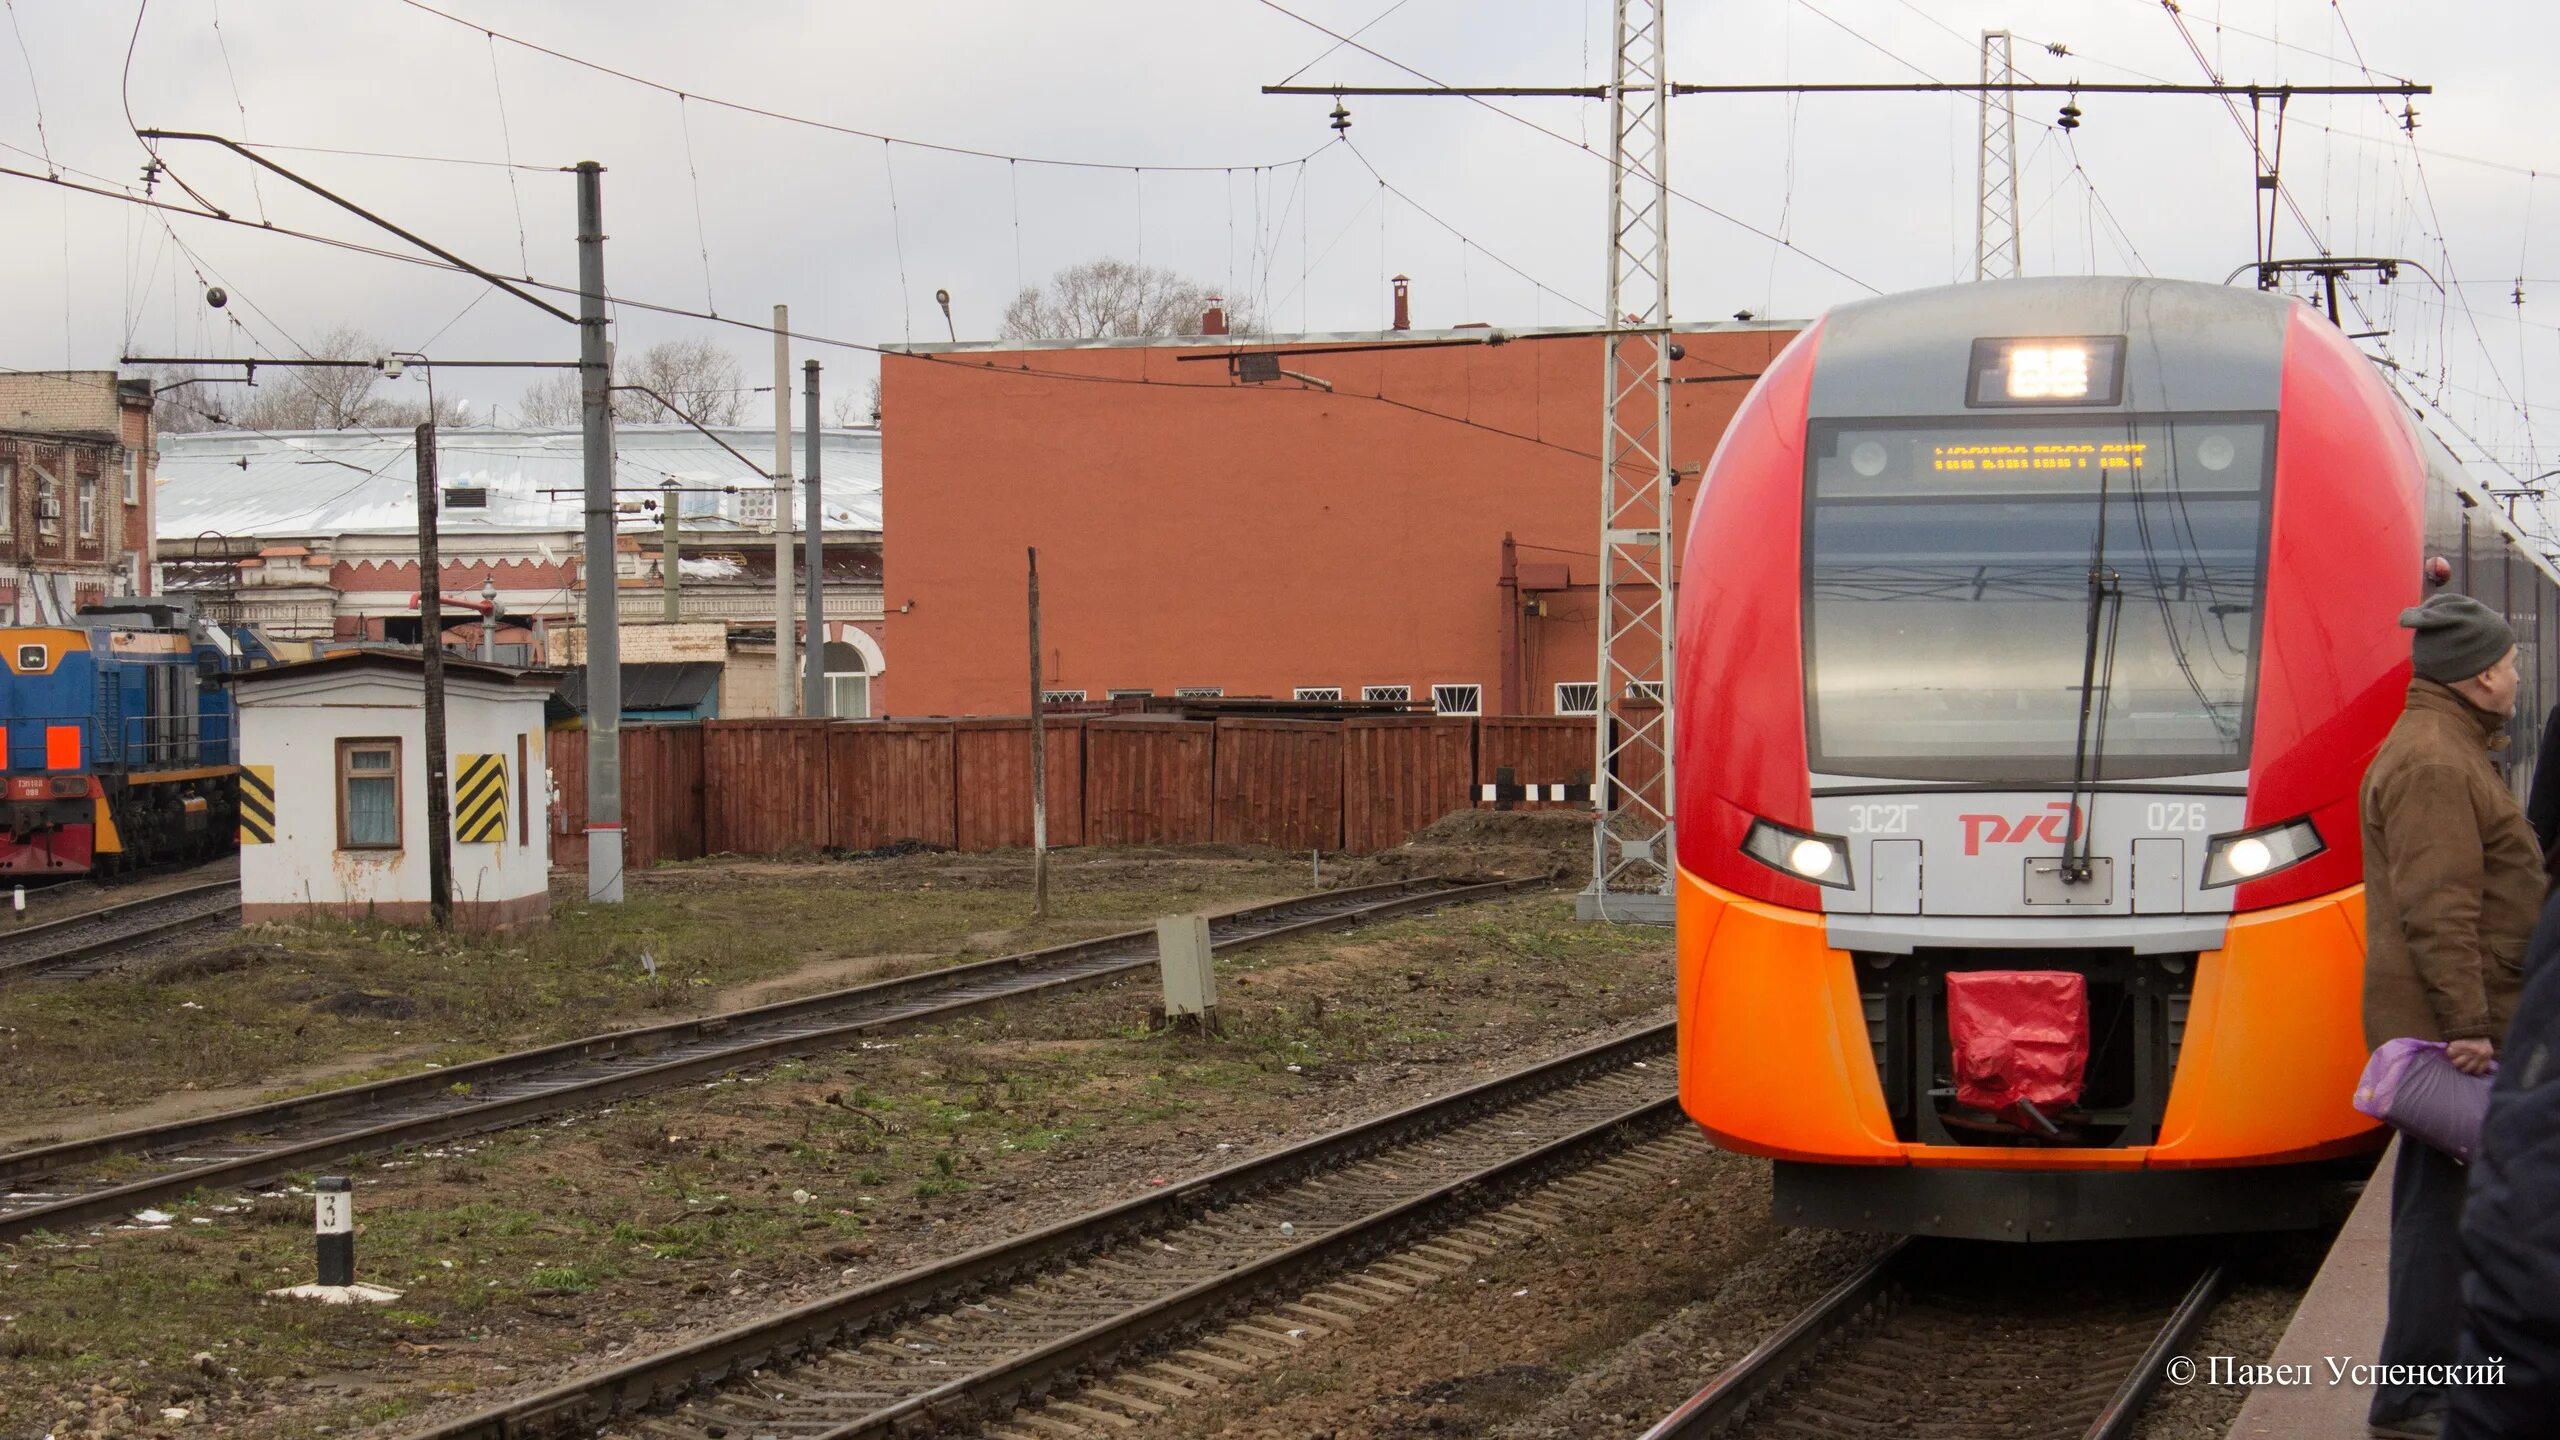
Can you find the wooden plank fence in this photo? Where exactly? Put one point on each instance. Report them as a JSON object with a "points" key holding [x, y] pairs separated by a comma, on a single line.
{"points": [[768, 787]]}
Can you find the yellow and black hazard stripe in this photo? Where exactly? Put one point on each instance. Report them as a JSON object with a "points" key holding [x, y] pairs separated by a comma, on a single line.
{"points": [[257, 804], [480, 800]]}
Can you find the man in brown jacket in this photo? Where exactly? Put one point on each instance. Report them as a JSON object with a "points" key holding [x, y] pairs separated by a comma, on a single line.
{"points": [[2453, 884]]}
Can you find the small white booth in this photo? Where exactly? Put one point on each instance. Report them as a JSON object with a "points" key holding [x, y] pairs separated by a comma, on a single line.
{"points": [[333, 790]]}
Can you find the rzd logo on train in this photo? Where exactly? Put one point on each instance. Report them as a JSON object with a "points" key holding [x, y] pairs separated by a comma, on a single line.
{"points": [[2056, 824]]}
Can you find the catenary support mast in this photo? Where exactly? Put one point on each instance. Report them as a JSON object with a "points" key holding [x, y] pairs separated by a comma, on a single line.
{"points": [[1631, 840], [813, 560], [598, 567], [786, 687], [1995, 225]]}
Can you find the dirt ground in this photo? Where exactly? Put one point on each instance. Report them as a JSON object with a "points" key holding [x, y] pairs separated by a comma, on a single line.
{"points": [[1515, 843], [282, 1009], [603, 1234]]}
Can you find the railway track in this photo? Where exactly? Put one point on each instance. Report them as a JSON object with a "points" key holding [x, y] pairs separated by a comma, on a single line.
{"points": [[1074, 1327], [55, 1186], [1945, 1340], [79, 946]]}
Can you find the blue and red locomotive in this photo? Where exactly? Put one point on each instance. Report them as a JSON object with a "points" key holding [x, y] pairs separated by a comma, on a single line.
{"points": [[120, 744]]}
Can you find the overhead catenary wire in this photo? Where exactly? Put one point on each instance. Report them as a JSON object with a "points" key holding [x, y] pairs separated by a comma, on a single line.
{"points": [[701, 235], [239, 102], [35, 94], [507, 143], [898, 240], [787, 117], [2426, 192], [1562, 138]]}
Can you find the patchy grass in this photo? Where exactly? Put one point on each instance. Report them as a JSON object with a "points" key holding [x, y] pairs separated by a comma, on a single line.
{"points": [[606, 1233], [369, 1002]]}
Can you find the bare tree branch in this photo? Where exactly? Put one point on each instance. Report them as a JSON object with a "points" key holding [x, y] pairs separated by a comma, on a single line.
{"points": [[701, 377], [1110, 298]]}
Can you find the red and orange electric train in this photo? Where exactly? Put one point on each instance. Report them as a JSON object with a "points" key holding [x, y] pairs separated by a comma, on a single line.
{"points": [[2049, 625]]}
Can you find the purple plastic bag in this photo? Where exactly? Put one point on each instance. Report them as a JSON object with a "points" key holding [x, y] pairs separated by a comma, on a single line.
{"points": [[2410, 1086]]}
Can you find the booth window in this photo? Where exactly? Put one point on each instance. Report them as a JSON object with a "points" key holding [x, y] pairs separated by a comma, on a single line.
{"points": [[368, 794]]}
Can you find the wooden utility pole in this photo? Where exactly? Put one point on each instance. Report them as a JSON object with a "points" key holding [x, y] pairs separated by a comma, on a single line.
{"points": [[1039, 762], [431, 651]]}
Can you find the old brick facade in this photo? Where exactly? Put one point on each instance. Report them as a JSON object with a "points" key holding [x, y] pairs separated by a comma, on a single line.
{"points": [[76, 453]]}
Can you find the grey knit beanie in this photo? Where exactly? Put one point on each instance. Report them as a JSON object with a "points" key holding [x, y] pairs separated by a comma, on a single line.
{"points": [[2457, 637]]}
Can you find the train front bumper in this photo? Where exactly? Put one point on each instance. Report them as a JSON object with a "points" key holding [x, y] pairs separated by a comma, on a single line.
{"points": [[1776, 1058]]}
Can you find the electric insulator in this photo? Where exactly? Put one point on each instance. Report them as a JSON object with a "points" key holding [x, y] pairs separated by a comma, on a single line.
{"points": [[1341, 117], [2070, 117]]}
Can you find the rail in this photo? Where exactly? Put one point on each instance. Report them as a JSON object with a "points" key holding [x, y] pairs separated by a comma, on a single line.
{"points": [[1816, 1374], [79, 946], [1033, 1317], [46, 1187]]}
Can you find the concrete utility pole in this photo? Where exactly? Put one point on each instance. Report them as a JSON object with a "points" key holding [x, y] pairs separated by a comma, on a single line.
{"points": [[1039, 762], [604, 619], [813, 696], [1996, 253], [670, 554], [783, 689], [431, 651]]}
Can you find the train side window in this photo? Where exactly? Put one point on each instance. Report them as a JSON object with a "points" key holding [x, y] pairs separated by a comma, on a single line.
{"points": [[369, 799]]}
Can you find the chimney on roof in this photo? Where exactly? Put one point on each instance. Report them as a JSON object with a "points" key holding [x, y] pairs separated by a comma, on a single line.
{"points": [[1404, 315], [1215, 321]]}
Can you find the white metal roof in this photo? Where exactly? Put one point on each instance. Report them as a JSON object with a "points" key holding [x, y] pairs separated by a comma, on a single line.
{"points": [[353, 482]]}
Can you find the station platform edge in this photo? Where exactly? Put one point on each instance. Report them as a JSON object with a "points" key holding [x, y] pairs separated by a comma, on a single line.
{"points": [[2340, 1316]]}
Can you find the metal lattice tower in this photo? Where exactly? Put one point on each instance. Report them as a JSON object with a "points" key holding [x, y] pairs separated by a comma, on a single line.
{"points": [[1631, 849], [1995, 226]]}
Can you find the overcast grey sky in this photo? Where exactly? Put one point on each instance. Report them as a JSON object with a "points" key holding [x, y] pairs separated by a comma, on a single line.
{"points": [[1878, 187]]}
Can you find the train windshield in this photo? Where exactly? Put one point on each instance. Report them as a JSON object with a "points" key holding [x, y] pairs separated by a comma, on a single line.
{"points": [[1952, 622]]}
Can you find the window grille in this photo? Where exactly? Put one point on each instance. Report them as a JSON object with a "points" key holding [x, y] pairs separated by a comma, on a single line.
{"points": [[1645, 690], [1061, 697], [1398, 693], [1129, 694], [1457, 699], [1578, 697], [1318, 692], [1198, 692]]}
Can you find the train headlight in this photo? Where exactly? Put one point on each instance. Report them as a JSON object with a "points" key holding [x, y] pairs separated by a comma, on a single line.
{"points": [[1822, 859], [2251, 854]]}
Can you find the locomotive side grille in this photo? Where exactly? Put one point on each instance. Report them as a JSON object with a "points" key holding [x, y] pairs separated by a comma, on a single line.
{"points": [[1872, 1002]]}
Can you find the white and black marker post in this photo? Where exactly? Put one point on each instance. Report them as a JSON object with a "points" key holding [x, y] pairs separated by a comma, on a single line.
{"points": [[334, 1229]]}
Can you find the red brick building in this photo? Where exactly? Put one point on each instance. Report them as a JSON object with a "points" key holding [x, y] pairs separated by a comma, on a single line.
{"points": [[1431, 521], [76, 462]]}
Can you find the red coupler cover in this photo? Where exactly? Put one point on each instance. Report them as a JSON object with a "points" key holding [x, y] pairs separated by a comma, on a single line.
{"points": [[2018, 1035]]}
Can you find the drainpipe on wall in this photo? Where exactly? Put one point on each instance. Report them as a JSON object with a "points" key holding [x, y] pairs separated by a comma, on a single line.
{"points": [[1511, 697]]}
